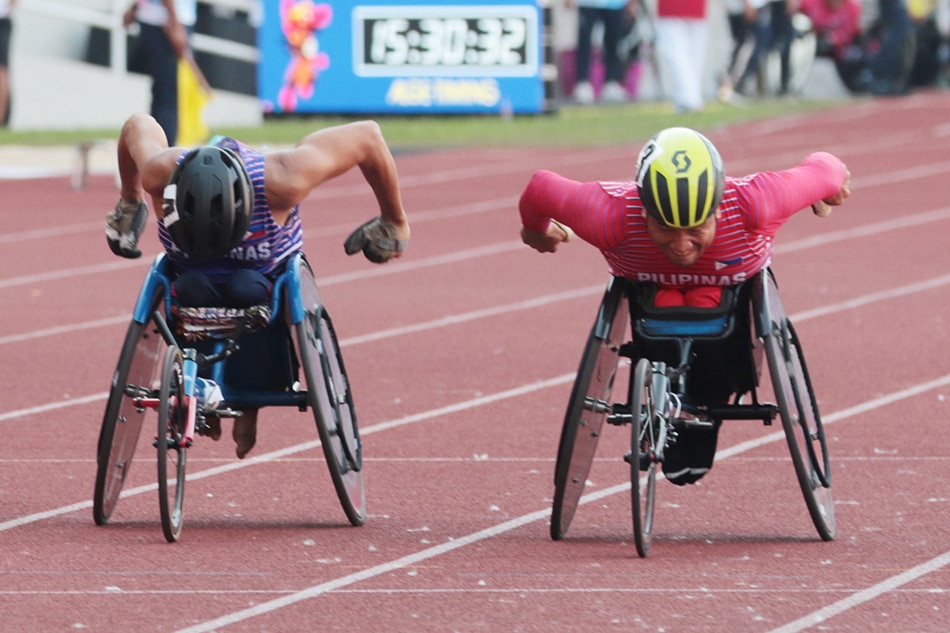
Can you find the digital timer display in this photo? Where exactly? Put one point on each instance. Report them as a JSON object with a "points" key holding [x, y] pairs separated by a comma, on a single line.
{"points": [[445, 41]]}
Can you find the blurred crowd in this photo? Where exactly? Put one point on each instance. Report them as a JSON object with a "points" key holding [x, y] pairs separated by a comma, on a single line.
{"points": [[880, 47]]}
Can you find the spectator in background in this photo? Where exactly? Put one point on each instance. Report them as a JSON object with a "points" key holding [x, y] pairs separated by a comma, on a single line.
{"points": [[837, 25], [165, 28], [614, 16], [681, 35], [891, 64], [6, 30], [781, 34], [931, 19], [876, 61], [749, 28]]}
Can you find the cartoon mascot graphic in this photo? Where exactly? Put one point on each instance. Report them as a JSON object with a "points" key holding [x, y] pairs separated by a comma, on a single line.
{"points": [[300, 21]]}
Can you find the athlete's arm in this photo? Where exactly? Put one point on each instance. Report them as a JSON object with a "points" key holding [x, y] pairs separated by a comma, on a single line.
{"points": [[583, 207], [292, 174], [145, 160], [772, 197]]}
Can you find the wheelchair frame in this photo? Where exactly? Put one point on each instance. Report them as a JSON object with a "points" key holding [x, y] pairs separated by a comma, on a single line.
{"points": [[655, 399], [157, 371]]}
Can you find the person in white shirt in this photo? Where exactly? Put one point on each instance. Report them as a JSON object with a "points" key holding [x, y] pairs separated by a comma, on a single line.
{"points": [[165, 26]]}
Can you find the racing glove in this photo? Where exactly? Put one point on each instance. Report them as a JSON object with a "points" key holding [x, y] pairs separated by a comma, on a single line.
{"points": [[377, 239], [124, 226]]}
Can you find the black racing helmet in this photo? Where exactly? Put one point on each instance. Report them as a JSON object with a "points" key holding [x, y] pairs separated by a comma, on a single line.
{"points": [[208, 202]]}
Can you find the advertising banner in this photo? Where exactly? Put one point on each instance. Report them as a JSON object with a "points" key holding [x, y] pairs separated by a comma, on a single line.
{"points": [[380, 56]]}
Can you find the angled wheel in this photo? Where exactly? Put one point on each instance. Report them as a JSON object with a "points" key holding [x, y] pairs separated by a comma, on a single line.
{"points": [[801, 419], [330, 397], [170, 442], [136, 376], [589, 406], [643, 452]]}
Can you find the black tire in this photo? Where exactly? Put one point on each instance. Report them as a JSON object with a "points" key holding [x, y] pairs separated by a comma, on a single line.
{"points": [[801, 419], [135, 376], [170, 442], [330, 397], [643, 451], [588, 408]]}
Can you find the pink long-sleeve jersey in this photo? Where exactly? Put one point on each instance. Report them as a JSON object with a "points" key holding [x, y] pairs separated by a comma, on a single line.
{"points": [[609, 215]]}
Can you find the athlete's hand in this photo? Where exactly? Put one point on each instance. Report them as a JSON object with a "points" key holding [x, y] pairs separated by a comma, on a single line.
{"points": [[547, 241], [378, 239], [822, 208], [124, 226]]}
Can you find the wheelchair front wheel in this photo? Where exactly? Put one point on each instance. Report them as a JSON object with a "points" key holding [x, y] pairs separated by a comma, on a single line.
{"points": [[801, 422], [643, 453], [172, 451], [122, 421], [329, 394]]}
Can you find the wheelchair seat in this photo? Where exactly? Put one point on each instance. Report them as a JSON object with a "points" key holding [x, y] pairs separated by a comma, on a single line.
{"points": [[715, 344], [652, 322], [263, 369]]}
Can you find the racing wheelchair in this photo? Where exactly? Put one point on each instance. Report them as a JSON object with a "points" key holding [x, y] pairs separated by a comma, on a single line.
{"points": [[158, 369], [653, 349]]}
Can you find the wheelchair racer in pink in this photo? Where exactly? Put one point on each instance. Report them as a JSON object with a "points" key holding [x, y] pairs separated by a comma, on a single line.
{"points": [[683, 226]]}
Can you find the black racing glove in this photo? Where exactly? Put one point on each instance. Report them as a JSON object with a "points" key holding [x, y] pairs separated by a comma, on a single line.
{"points": [[124, 226], [377, 240]]}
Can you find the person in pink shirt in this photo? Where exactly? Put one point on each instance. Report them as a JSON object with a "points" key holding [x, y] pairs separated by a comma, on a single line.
{"points": [[686, 227], [836, 23]]}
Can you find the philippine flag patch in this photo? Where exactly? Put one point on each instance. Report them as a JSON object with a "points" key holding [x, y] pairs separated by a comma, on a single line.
{"points": [[728, 263]]}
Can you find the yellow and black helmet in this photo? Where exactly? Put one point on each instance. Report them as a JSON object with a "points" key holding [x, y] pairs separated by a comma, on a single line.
{"points": [[680, 177]]}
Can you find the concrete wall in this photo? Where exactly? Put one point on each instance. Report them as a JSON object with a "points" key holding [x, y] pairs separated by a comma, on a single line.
{"points": [[52, 89], [53, 93]]}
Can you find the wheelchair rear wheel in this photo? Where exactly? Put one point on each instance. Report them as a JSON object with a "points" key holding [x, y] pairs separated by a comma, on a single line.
{"points": [[643, 452], [328, 393], [588, 408], [135, 377], [172, 451], [801, 422]]}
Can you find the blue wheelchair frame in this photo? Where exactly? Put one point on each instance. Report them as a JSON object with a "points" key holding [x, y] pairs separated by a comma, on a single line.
{"points": [[159, 280], [295, 299]]}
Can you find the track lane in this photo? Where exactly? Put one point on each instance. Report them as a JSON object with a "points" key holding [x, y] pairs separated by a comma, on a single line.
{"points": [[428, 472]]}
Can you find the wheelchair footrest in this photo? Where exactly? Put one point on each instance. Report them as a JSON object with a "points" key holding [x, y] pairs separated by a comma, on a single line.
{"points": [[223, 413], [764, 412], [643, 459]]}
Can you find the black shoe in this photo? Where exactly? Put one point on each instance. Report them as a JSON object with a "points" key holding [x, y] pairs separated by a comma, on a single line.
{"points": [[691, 456]]}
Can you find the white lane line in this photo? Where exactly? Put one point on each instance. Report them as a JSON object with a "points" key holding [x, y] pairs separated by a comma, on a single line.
{"points": [[484, 251], [67, 273], [298, 448], [317, 590], [527, 304], [52, 406], [659, 591], [507, 526], [464, 317], [365, 273], [861, 597], [65, 329], [888, 226], [884, 295]]}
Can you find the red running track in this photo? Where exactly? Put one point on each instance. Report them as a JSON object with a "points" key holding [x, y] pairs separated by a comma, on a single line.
{"points": [[462, 356]]}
